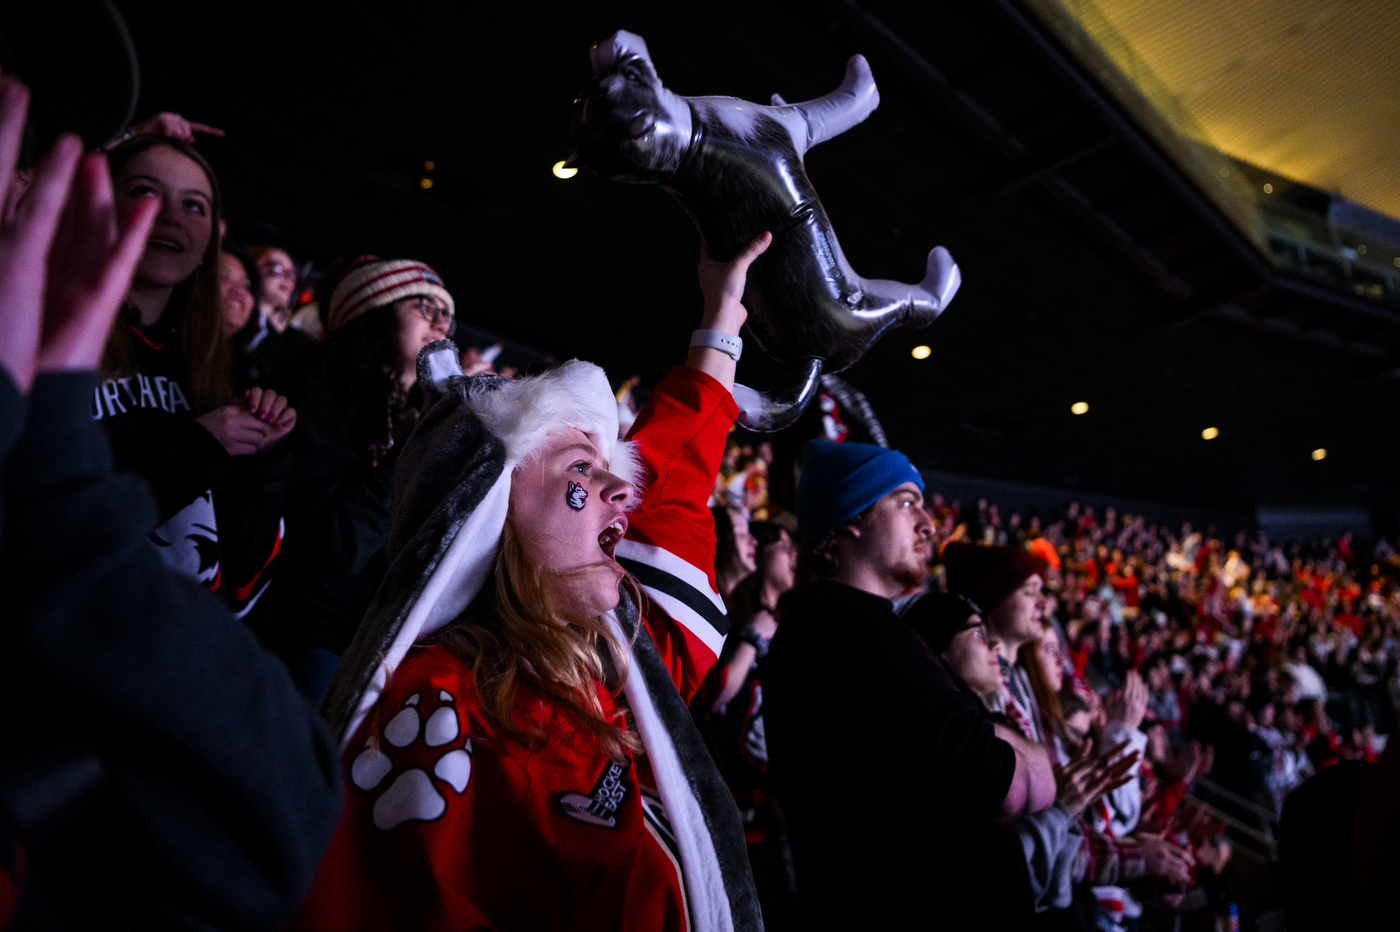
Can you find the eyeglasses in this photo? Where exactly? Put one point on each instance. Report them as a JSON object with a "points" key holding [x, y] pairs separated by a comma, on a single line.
{"points": [[979, 631], [279, 270], [432, 310]]}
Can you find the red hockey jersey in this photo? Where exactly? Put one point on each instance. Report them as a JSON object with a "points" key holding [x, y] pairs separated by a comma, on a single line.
{"points": [[449, 826]]}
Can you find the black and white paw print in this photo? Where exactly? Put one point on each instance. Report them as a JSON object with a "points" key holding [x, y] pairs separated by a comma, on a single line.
{"points": [[413, 794]]}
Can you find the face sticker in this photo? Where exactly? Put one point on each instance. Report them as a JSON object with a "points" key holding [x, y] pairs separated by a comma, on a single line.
{"points": [[576, 496]]}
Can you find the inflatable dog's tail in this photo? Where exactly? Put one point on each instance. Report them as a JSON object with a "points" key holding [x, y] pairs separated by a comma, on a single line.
{"points": [[781, 406]]}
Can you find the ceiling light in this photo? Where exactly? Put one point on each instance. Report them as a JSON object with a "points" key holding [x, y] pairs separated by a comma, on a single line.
{"points": [[1210, 433], [425, 183], [1361, 248], [1079, 407], [1319, 454], [921, 352], [428, 166], [563, 171], [1268, 188]]}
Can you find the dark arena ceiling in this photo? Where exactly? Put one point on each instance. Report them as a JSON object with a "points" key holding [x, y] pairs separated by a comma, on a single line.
{"points": [[1093, 269]]}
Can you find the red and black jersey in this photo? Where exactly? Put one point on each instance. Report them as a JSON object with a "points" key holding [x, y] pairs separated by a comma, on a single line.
{"points": [[219, 516], [450, 825]]}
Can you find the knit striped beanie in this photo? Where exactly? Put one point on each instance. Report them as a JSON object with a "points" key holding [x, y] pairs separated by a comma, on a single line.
{"points": [[378, 283]]}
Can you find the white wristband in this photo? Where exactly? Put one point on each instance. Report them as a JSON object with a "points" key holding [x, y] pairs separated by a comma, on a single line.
{"points": [[726, 343]]}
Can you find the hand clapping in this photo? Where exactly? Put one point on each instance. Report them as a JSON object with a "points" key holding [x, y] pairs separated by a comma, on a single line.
{"points": [[1081, 782], [1129, 704], [65, 258]]}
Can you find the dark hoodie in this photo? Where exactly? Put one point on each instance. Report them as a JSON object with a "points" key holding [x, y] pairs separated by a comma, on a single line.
{"points": [[218, 516], [890, 775], [161, 770]]}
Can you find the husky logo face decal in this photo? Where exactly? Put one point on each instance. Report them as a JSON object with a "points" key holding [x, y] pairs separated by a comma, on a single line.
{"points": [[576, 496], [600, 806]]}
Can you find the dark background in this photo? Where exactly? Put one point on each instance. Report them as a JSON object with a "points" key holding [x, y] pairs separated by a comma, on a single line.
{"points": [[332, 110]]}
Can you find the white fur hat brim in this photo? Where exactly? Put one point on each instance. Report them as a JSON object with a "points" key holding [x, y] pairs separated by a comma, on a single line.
{"points": [[522, 414]]}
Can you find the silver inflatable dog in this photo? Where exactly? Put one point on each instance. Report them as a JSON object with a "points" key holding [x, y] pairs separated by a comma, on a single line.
{"points": [[736, 167]]}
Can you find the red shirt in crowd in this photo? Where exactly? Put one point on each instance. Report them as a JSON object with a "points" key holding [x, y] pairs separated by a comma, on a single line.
{"points": [[1350, 622], [1128, 585]]}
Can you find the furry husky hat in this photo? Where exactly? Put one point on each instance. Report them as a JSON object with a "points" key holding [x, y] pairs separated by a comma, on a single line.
{"points": [[451, 493]]}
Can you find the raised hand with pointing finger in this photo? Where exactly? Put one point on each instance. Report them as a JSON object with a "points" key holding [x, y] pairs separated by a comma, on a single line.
{"points": [[171, 125]]}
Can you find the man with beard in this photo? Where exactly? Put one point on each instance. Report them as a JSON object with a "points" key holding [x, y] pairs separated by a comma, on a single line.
{"points": [[890, 782]]}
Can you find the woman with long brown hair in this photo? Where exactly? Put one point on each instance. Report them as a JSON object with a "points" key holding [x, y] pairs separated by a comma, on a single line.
{"points": [[1041, 659], [512, 714], [735, 548], [357, 399], [1115, 723], [164, 397]]}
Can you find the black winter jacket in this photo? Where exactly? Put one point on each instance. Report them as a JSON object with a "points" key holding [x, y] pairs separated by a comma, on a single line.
{"points": [[337, 513], [889, 773], [161, 770], [218, 516]]}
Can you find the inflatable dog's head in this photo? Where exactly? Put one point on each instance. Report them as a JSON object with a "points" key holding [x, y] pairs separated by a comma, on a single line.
{"points": [[627, 126]]}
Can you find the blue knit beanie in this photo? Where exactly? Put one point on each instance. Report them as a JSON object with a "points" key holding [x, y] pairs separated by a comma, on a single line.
{"points": [[840, 480]]}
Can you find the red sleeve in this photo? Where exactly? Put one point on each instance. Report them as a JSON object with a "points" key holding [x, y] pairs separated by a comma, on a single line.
{"points": [[670, 545]]}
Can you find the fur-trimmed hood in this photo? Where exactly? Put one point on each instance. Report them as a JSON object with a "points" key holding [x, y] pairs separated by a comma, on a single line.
{"points": [[524, 412], [451, 494]]}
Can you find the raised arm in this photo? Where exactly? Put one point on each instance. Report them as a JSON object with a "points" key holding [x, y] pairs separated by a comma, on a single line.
{"points": [[1033, 786], [722, 284], [680, 433], [223, 781]]}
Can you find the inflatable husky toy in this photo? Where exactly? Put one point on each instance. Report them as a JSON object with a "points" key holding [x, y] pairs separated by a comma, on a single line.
{"points": [[736, 167]]}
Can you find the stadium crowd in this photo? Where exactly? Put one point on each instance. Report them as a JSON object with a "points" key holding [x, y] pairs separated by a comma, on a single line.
{"points": [[1237, 667], [230, 495]]}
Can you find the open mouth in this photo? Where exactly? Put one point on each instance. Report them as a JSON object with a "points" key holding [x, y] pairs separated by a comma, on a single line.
{"points": [[165, 245], [607, 541]]}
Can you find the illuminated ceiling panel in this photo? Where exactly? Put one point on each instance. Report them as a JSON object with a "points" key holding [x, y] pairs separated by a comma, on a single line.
{"points": [[1309, 89]]}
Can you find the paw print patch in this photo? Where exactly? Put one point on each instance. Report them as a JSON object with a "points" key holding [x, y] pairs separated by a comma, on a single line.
{"points": [[414, 794]]}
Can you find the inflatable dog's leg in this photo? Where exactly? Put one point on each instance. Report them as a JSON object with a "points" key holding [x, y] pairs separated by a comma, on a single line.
{"points": [[940, 283], [913, 305], [784, 404], [834, 113]]}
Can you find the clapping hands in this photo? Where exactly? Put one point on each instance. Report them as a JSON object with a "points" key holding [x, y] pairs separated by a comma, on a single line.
{"points": [[1165, 859], [1129, 704], [1191, 761], [66, 258], [1081, 782]]}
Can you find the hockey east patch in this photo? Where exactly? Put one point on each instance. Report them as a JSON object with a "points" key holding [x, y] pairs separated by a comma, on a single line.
{"points": [[600, 806]]}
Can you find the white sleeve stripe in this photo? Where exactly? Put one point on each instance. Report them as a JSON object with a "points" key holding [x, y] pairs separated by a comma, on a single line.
{"points": [[688, 617], [668, 562]]}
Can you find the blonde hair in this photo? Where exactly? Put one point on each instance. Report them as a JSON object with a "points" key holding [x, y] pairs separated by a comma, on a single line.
{"points": [[517, 633]]}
